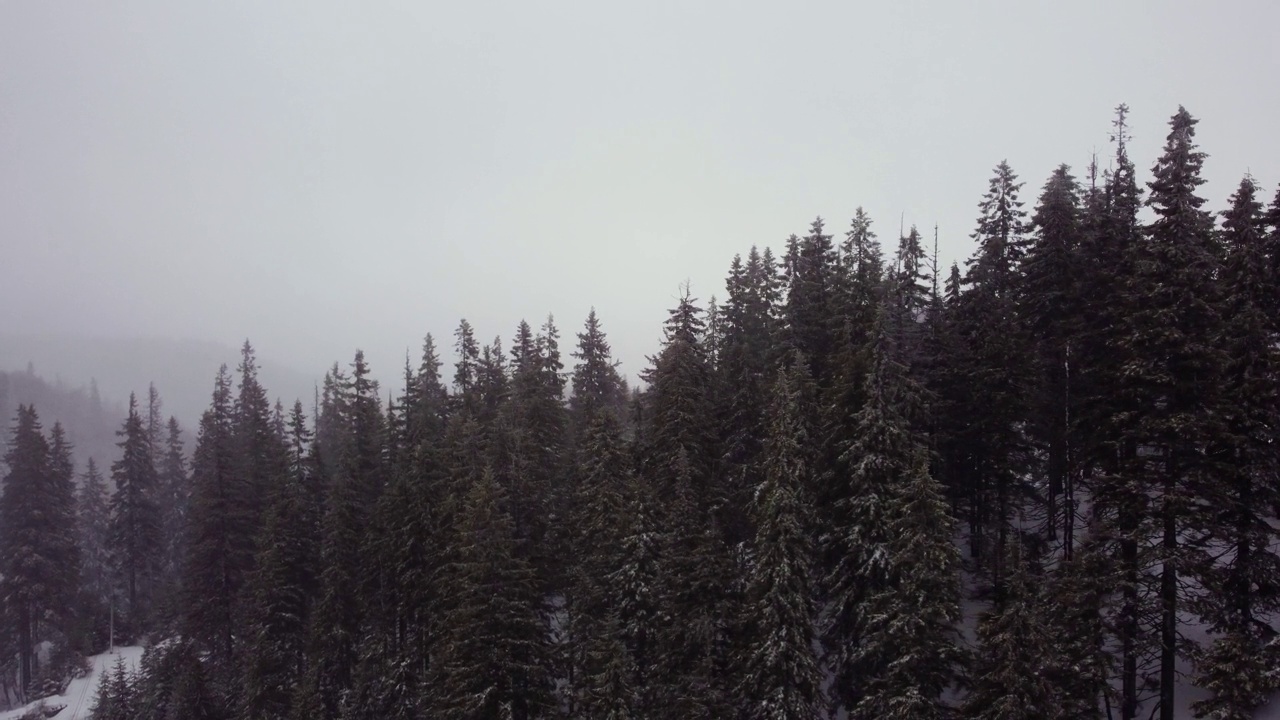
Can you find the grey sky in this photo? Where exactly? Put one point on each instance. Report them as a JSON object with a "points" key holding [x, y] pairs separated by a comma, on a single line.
{"points": [[320, 176]]}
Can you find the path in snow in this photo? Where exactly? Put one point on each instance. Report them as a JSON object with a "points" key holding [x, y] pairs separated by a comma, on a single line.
{"points": [[82, 691]]}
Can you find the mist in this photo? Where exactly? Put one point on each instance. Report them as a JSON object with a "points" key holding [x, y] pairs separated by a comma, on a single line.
{"points": [[319, 177]]}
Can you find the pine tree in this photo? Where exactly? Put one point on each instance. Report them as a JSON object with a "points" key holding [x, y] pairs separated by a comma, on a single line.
{"points": [[597, 386], [890, 624], [605, 484], [810, 298], [748, 353], [259, 452], [62, 543], [491, 661], [174, 499], [1008, 680], [1174, 372], [782, 680], [995, 359], [1050, 304], [1110, 245], [280, 592], [135, 523], [635, 593], [115, 699], [607, 690], [30, 563], [1079, 662], [93, 521], [679, 406], [220, 536], [1245, 586]]}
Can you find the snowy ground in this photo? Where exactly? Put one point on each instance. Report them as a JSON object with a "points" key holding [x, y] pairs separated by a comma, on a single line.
{"points": [[81, 692]]}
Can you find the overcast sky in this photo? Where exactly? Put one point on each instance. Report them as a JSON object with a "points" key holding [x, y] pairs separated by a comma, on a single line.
{"points": [[323, 176]]}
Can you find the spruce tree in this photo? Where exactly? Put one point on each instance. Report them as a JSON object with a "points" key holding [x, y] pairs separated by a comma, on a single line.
{"points": [[1175, 374], [492, 655], [782, 679], [221, 530], [607, 690], [280, 593], [259, 453], [1050, 304], [605, 483], [31, 569], [893, 599], [996, 362], [135, 523], [1008, 679], [93, 521], [1243, 587], [811, 262], [1080, 659], [635, 591], [596, 384], [116, 698], [62, 543], [748, 353], [1110, 247], [174, 499]]}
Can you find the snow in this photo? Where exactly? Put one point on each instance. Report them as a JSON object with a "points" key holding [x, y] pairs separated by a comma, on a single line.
{"points": [[80, 694]]}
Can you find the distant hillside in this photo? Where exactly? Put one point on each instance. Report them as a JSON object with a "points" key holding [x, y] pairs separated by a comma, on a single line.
{"points": [[90, 421], [182, 370]]}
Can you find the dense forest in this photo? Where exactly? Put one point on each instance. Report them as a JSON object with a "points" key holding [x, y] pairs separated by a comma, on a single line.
{"points": [[1040, 485]]}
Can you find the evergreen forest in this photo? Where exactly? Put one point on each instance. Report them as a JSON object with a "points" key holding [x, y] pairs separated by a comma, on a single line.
{"points": [[1043, 483]]}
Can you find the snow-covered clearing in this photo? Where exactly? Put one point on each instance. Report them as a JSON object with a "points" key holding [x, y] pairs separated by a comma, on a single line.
{"points": [[81, 692]]}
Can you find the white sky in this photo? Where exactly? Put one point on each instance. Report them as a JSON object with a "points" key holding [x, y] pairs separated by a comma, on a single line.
{"points": [[322, 176]]}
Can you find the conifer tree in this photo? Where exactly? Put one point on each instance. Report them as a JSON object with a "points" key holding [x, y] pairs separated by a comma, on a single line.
{"points": [[1080, 661], [1110, 246], [608, 690], [782, 679], [492, 656], [635, 591], [1238, 665], [222, 522], [280, 592], [861, 294], [63, 543], [259, 451], [115, 699], [93, 521], [810, 298], [31, 558], [918, 615], [911, 292], [1050, 304], [596, 384], [996, 362], [174, 500], [747, 354], [1175, 373], [1008, 680], [135, 522], [893, 599], [680, 411], [604, 486]]}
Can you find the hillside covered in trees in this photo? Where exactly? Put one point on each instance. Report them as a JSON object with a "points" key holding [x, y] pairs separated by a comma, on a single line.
{"points": [[1073, 436]]}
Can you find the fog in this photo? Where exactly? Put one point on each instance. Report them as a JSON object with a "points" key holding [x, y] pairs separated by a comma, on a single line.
{"points": [[324, 176]]}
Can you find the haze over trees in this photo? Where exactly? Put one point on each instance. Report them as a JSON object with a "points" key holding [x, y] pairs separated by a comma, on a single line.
{"points": [[1038, 484]]}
